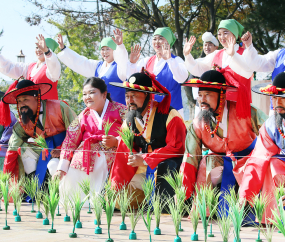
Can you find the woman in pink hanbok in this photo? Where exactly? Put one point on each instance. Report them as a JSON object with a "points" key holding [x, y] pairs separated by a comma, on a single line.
{"points": [[86, 151]]}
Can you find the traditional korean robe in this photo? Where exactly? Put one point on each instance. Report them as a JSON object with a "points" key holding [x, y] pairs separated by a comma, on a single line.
{"points": [[46, 72], [55, 118], [162, 145], [5, 134], [169, 73], [233, 136], [83, 155], [109, 72], [265, 169]]}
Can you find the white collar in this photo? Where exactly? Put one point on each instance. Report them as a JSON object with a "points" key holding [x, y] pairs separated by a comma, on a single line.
{"points": [[144, 118], [100, 118]]}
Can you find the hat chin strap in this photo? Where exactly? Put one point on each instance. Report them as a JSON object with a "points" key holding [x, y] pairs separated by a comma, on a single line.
{"points": [[145, 103]]}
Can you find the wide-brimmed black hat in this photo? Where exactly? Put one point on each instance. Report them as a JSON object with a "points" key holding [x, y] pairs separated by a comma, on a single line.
{"points": [[210, 79], [25, 87], [140, 82], [275, 88]]}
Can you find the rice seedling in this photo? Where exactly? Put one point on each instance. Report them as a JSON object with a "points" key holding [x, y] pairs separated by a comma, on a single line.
{"points": [[158, 204], [107, 127], [124, 200], [268, 231], [53, 199], [18, 207], [134, 217], [176, 208], [85, 187], [279, 217], [259, 204], [97, 208], [31, 186], [148, 189], [38, 198], [279, 192], [236, 212], [194, 217], [212, 196], [41, 142], [147, 219], [76, 204], [6, 196], [15, 191], [45, 204], [65, 203], [127, 136], [108, 202], [224, 223], [3, 177]]}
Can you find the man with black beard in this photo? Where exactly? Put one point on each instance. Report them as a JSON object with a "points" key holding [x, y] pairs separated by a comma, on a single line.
{"points": [[46, 118], [159, 141], [265, 169], [218, 129]]}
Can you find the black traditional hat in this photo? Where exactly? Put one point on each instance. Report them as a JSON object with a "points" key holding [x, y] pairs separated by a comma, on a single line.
{"points": [[275, 88], [25, 87]]}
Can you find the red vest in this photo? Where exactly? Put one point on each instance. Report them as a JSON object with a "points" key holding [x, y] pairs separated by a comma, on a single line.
{"points": [[41, 77]]}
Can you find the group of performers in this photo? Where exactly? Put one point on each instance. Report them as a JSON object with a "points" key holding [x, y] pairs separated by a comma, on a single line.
{"points": [[245, 146]]}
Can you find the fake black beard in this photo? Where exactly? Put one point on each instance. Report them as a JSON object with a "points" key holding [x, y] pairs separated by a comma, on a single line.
{"points": [[130, 118], [206, 116], [27, 116], [278, 120]]}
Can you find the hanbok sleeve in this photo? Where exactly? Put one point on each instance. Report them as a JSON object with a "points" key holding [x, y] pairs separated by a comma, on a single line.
{"points": [[7, 132], [53, 67], [240, 66], [191, 160], [78, 63], [136, 67], [68, 115], [71, 142], [13, 70], [260, 63], [121, 58], [178, 69], [199, 66]]}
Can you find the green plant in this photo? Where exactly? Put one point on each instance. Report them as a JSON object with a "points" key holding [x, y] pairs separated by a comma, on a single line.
{"points": [[127, 136], [16, 190], [45, 204], [147, 219], [279, 192], [268, 231], [38, 198], [174, 180], [107, 127], [76, 204], [279, 216], [64, 200], [194, 216], [134, 217], [18, 207], [5, 192], [108, 202], [224, 223], [97, 207], [148, 188], [3, 177], [158, 204], [31, 186], [41, 142], [85, 187]]}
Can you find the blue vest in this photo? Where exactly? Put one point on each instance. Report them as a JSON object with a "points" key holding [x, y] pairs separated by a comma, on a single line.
{"points": [[272, 131], [117, 94], [165, 78], [279, 67]]}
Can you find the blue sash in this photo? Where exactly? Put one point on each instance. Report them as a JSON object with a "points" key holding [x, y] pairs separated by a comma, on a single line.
{"points": [[228, 178], [52, 143]]}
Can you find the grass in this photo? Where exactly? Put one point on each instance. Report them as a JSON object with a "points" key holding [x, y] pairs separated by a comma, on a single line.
{"points": [[85, 187], [38, 197], [134, 216], [5, 193], [97, 207], [128, 138], [279, 216], [16, 190], [148, 189], [31, 186], [194, 213], [107, 127], [65, 200], [147, 219], [158, 204], [4, 177], [45, 204], [225, 224]]}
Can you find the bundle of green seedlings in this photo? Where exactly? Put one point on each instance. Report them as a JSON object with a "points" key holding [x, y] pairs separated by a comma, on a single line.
{"points": [[225, 224], [85, 187], [38, 198], [16, 193], [134, 216], [97, 208], [237, 211], [124, 199], [31, 186], [53, 199], [158, 204], [45, 205], [107, 127], [3, 177], [108, 202], [64, 200], [279, 212], [6, 197], [259, 204], [212, 195], [127, 136], [194, 216], [76, 204]]}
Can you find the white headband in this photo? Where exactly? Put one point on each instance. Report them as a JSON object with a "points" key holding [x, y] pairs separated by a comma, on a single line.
{"points": [[209, 37]]}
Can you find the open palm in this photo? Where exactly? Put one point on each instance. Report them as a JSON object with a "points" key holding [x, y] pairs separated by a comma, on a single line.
{"points": [[189, 45]]}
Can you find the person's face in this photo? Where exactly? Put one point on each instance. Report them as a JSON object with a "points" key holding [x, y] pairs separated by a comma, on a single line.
{"points": [[25, 102], [134, 99], [207, 100], [223, 36], [93, 98], [279, 104], [209, 48], [107, 54], [40, 54], [157, 43]]}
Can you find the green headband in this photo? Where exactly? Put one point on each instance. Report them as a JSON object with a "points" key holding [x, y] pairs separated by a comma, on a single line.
{"points": [[51, 44], [167, 34], [232, 25], [108, 42]]}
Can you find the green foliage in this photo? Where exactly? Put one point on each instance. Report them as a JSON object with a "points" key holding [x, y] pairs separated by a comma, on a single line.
{"points": [[147, 219], [127, 136], [124, 199], [107, 127], [279, 217], [64, 195], [259, 204], [175, 180], [41, 142], [148, 188], [5, 193], [194, 213], [85, 186], [96, 203], [212, 195], [268, 231], [38, 197], [279, 192], [224, 223], [158, 204], [16, 189], [45, 203], [202, 207], [31, 186], [134, 215], [53, 196]]}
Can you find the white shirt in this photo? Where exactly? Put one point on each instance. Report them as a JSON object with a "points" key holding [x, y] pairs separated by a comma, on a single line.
{"points": [[15, 70], [87, 67], [100, 118]]}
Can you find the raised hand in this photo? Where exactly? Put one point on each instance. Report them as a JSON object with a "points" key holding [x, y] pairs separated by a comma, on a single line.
{"points": [[60, 41], [166, 53], [135, 54], [247, 39], [231, 46], [118, 37], [41, 43], [189, 45]]}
